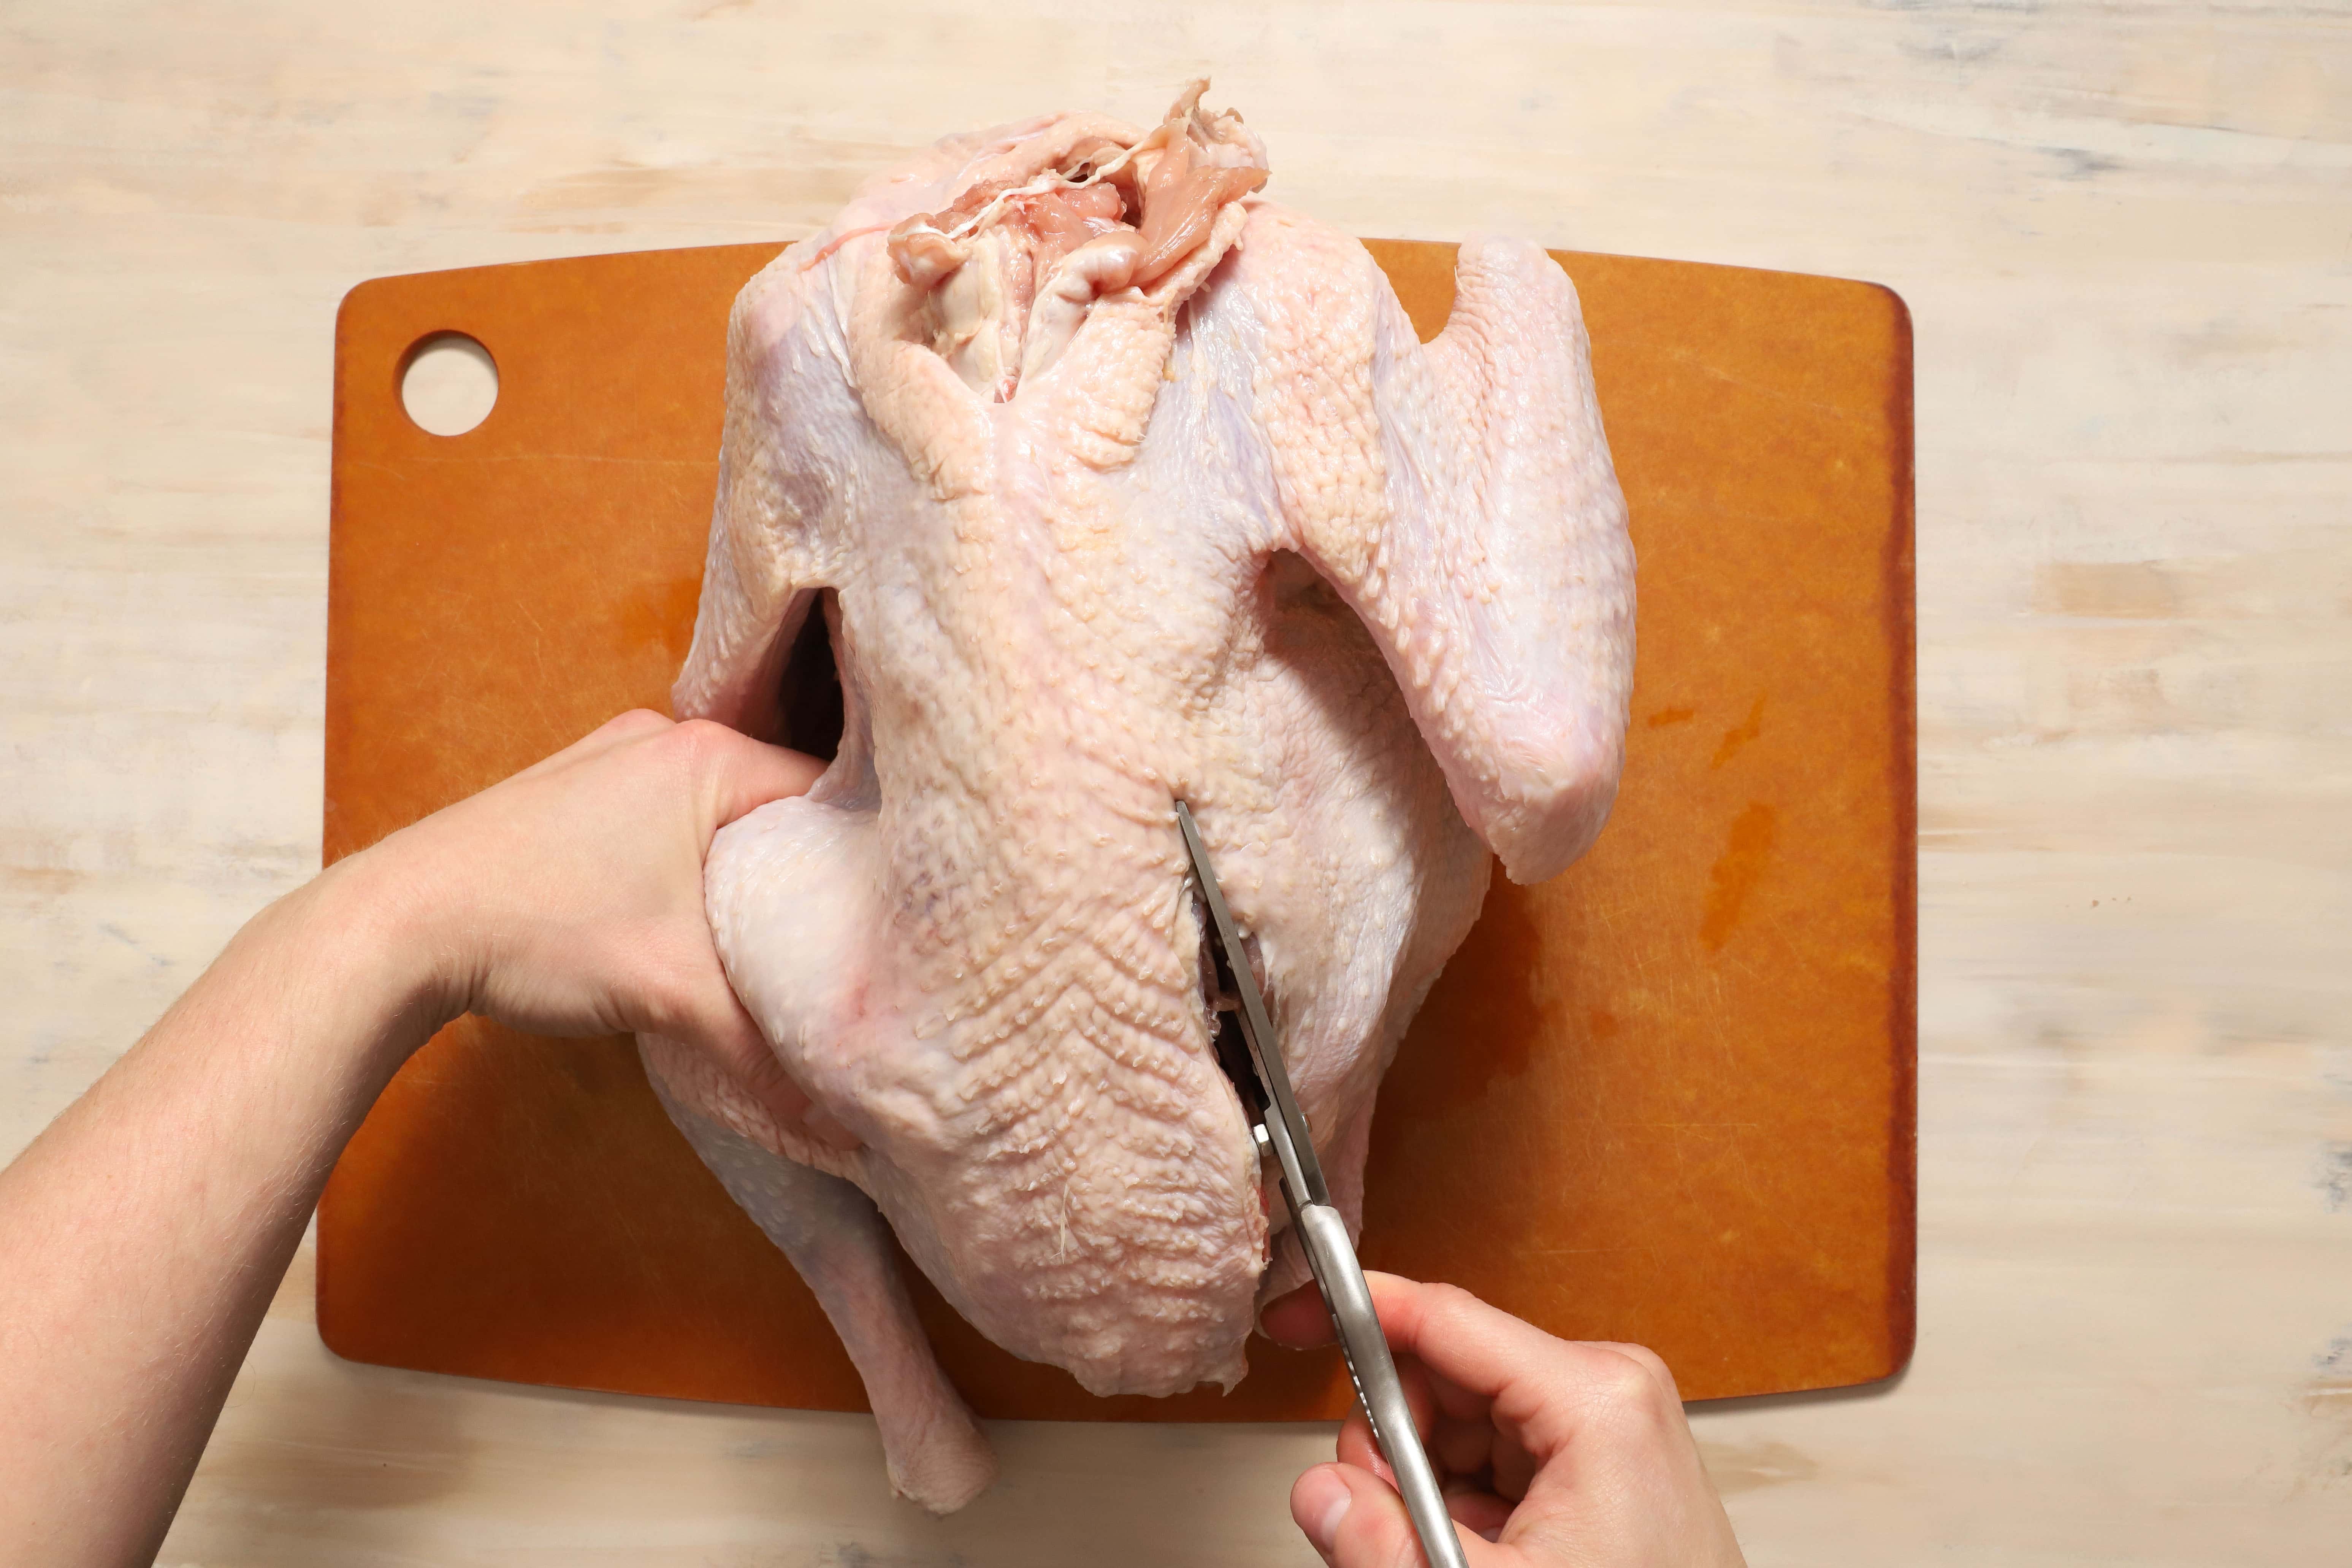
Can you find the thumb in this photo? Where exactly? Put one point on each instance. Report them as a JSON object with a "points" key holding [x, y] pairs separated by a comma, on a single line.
{"points": [[741, 775], [1356, 1520]]}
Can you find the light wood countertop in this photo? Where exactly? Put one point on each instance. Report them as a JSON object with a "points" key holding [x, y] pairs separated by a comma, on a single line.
{"points": [[2125, 233]]}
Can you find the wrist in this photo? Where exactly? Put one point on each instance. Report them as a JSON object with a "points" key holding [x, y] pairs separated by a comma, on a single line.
{"points": [[375, 936]]}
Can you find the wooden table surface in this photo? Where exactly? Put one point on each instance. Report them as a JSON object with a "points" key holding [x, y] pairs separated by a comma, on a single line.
{"points": [[2125, 232]]}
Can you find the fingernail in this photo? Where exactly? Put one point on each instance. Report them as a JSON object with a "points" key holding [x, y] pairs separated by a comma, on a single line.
{"points": [[1326, 1504]]}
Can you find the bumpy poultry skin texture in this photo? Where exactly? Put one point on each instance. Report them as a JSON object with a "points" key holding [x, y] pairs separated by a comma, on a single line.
{"points": [[1238, 538]]}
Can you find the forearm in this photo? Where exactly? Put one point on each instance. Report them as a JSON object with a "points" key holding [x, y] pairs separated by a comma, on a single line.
{"points": [[142, 1234]]}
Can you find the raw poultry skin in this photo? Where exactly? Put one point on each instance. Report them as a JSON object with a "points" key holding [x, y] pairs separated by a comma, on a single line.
{"points": [[1130, 487]]}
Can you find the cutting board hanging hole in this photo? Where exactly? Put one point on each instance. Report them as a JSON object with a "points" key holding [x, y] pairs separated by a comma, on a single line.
{"points": [[448, 384]]}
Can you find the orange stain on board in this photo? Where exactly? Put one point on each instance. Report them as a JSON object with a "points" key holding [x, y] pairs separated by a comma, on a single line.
{"points": [[663, 618], [1736, 871], [1486, 992], [1666, 716], [1735, 740]]}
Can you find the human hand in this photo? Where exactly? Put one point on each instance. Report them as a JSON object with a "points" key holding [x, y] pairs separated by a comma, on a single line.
{"points": [[568, 899], [142, 1233], [1550, 1452]]}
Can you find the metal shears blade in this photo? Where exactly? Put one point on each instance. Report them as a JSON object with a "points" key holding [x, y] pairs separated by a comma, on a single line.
{"points": [[1282, 1127]]}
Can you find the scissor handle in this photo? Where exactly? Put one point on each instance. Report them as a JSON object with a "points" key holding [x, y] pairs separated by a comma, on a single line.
{"points": [[1333, 1258]]}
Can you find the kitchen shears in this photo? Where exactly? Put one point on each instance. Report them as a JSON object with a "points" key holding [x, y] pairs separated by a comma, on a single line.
{"points": [[1280, 1129]]}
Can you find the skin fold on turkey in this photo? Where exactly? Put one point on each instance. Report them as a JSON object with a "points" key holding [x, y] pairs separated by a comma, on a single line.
{"points": [[1106, 482]]}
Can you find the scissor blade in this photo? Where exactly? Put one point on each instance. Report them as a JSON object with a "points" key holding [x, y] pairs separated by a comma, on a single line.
{"points": [[1288, 1125], [1324, 1235]]}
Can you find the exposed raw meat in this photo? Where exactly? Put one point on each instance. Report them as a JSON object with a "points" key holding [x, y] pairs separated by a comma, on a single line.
{"points": [[1117, 484]]}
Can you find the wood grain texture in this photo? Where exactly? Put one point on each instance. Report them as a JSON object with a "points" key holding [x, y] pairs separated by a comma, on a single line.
{"points": [[1666, 1098], [2124, 236]]}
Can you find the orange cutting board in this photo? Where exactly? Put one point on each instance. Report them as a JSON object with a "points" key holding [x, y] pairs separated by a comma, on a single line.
{"points": [[1666, 1097]]}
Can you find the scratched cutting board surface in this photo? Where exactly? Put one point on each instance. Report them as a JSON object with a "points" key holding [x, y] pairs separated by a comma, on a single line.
{"points": [[1666, 1097]]}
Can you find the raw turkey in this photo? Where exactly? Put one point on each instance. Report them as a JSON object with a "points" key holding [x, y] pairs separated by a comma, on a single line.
{"points": [[1098, 481]]}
